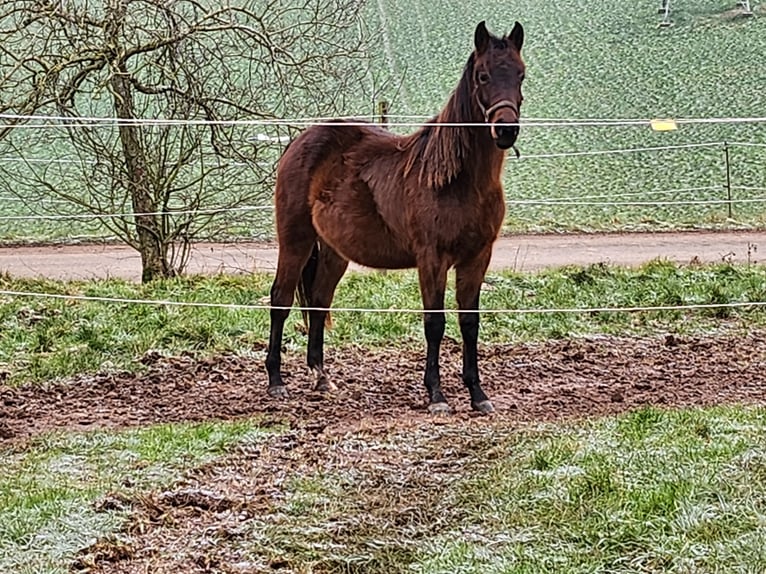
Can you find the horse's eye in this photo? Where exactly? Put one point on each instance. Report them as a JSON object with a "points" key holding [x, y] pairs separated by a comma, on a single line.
{"points": [[522, 76], [483, 77]]}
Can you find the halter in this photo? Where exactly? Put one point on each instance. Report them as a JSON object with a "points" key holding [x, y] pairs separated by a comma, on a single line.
{"points": [[492, 109]]}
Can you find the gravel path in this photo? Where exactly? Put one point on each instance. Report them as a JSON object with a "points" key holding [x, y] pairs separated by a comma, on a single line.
{"points": [[523, 253]]}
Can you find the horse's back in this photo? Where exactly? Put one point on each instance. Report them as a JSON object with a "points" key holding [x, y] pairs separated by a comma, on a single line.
{"points": [[311, 152], [317, 143], [325, 181]]}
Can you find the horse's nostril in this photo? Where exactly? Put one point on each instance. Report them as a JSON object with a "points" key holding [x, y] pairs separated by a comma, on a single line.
{"points": [[504, 135], [505, 131]]}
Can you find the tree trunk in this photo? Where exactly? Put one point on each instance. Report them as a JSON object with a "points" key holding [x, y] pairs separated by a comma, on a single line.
{"points": [[153, 251]]}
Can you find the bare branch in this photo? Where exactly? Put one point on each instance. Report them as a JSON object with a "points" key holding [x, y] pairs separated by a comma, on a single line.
{"points": [[180, 60]]}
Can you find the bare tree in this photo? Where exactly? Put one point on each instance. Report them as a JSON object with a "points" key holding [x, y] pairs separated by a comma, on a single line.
{"points": [[197, 69]]}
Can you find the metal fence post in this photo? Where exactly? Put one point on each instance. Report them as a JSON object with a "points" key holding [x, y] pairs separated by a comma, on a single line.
{"points": [[728, 177]]}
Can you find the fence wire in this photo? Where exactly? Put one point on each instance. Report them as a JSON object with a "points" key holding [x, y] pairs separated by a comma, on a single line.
{"points": [[570, 201], [407, 121], [51, 121], [387, 310]]}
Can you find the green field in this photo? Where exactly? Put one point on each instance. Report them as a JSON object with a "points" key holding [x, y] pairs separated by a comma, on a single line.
{"points": [[585, 60], [589, 60]]}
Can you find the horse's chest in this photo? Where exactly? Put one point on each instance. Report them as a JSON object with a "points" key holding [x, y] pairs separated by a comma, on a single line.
{"points": [[467, 228]]}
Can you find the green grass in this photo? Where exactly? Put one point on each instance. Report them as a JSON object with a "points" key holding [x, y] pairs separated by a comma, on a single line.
{"points": [[49, 491], [649, 491], [41, 339], [584, 61]]}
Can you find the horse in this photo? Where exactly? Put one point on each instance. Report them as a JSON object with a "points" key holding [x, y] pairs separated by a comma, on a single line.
{"points": [[431, 200]]}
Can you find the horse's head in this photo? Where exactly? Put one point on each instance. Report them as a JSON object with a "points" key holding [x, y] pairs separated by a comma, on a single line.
{"points": [[498, 72]]}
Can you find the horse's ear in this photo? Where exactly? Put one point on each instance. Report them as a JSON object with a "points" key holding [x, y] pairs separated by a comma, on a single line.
{"points": [[517, 36], [481, 38]]}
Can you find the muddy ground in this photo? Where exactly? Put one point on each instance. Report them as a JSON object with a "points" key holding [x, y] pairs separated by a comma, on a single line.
{"points": [[379, 392], [546, 381]]}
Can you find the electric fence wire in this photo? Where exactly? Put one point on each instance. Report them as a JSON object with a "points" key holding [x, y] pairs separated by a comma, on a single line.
{"points": [[389, 310]]}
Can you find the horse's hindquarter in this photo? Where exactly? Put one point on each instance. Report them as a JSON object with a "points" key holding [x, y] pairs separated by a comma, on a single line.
{"points": [[357, 201]]}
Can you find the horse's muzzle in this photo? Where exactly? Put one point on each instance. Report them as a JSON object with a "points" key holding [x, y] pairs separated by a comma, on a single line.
{"points": [[504, 135]]}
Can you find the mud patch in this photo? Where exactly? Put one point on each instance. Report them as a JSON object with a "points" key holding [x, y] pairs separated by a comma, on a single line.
{"points": [[546, 381]]}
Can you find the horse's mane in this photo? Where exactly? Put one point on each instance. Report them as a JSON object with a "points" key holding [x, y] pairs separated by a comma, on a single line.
{"points": [[438, 151]]}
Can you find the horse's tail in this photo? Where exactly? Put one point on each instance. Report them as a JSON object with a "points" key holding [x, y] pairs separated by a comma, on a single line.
{"points": [[306, 286]]}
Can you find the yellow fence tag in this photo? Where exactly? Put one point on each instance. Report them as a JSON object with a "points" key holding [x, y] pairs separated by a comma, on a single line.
{"points": [[663, 125]]}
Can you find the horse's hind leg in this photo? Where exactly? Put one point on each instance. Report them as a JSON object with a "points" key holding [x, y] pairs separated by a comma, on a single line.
{"points": [[330, 268], [293, 255], [468, 279]]}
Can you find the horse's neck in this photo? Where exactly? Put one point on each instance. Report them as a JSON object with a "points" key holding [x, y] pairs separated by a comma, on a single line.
{"points": [[461, 146], [454, 149]]}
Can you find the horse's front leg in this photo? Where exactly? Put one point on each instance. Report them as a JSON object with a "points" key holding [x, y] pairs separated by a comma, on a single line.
{"points": [[468, 279], [433, 280]]}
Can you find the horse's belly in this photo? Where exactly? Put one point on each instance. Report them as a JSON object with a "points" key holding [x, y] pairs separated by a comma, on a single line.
{"points": [[361, 237], [381, 256]]}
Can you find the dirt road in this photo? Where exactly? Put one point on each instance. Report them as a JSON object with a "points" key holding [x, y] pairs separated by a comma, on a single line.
{"points": [[522, 253]]}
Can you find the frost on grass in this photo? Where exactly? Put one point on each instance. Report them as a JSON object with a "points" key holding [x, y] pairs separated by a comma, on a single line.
{"points": [[471, 496], [66, 492]]}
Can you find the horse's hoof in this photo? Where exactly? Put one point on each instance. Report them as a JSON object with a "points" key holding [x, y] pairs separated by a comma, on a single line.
{"points": [[439, 409], [326, 386], [484, 407], [278, 392]]}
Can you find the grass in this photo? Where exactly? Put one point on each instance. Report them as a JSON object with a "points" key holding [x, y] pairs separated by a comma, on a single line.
{"points": [[649, 491], [41, 339], [584, 61], [49, 492]]}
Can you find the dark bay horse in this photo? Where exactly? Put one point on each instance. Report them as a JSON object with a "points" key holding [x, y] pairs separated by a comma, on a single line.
{"points": [[431, 200]]}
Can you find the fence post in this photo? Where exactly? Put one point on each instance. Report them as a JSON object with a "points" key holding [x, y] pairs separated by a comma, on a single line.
{"points": [[728, 177], [383, 113]]}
